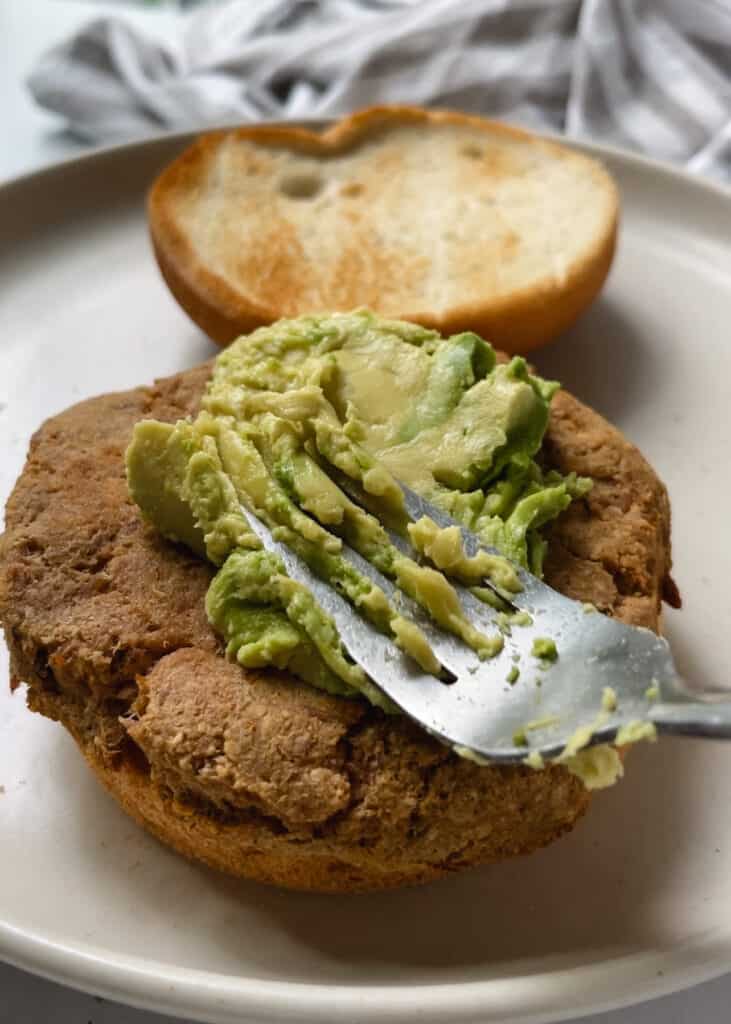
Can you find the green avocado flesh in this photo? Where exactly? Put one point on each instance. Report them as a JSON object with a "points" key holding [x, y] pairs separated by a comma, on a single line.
{"points": [[293, 409]]}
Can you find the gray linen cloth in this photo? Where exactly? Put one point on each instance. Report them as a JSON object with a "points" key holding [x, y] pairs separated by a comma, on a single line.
{"points": [[650, 75]]}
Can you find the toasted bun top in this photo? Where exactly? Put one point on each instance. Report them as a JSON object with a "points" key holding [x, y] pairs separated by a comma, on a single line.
{"points": [[439, 217]]}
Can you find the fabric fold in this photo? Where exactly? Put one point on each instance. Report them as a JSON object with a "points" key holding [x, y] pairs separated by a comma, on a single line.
{"points": [[648, 75]]}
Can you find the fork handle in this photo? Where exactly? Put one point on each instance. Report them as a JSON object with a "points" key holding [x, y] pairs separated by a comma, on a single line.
{"points": [[694, 719]]}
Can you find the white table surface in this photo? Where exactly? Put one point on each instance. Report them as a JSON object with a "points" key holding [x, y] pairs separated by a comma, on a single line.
{"points": [[31, 139]]}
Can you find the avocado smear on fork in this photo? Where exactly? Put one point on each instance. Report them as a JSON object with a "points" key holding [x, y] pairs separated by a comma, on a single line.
{"points": [[296, 406]]}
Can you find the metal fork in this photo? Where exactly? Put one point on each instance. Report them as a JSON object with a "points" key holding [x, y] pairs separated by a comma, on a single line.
{"points": [[607, 675]]}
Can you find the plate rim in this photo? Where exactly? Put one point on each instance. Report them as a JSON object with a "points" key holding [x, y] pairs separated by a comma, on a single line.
{"points": [[592, 147], [223, 999], [158, 986]]}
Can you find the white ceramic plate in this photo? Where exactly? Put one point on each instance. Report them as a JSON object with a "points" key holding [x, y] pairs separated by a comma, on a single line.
{"points": [[636, 902]]}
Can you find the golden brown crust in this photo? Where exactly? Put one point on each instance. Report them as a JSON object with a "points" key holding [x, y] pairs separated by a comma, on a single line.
{"points": [[252, 773], [519, 321], [613, 547]]}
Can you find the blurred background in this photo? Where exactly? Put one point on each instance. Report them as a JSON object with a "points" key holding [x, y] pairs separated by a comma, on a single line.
{"points": [[649, 75]]}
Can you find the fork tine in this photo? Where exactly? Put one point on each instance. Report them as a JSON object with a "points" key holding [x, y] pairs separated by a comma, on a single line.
{"points": [[451, 651], [421, 695], [481, 713]]}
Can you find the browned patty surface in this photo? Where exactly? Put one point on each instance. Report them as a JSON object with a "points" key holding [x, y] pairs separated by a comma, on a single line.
{"points": [[253, 772]]}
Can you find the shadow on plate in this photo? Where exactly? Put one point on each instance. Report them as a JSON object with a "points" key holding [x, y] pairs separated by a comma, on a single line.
{"points": [[695, 663], [604, 360]]}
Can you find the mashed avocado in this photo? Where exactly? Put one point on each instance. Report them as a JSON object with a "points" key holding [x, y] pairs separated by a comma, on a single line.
{"points": [[544, 648], [292, 410]]}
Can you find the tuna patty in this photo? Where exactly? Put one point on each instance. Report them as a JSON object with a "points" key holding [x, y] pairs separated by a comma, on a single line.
{"points": [[255, 773]]}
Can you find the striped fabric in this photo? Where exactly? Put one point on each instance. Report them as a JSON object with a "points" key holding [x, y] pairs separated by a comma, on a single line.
{"points": [[650, 75]]}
